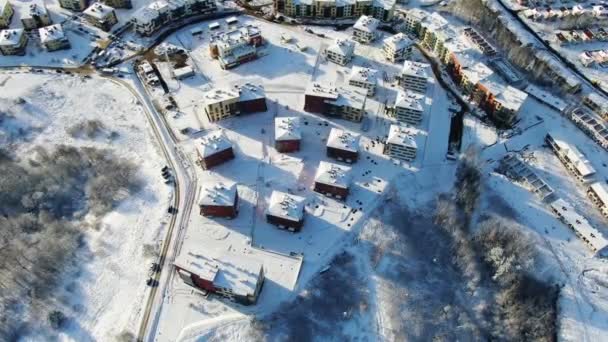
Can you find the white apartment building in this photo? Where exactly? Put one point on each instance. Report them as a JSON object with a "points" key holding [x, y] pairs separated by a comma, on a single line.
{"points": [[36, 16], [409, 107], [401, 143], [155, 15], [572, 158], [341, 51], [100, 15], [364, 78], [414, 76], [397, 48], [6, 13], [364, 30], [13, 42], [53, 38], [598, 193]]}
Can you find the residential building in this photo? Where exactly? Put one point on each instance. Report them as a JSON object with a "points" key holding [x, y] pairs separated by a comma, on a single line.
{"points": [[409, 107], [13, 42], [343, 145], [598, 193], [219, 199], [287, 134], [286, 211], [571, 157], [501, 103], [6, 13], [36, 16], [600, 11], [333, 180], [345, 102], [214, 149], [593, 238], [479, 41], [101, 16], [219, 104], [335, 10], [597, 103], [401, 143], [341, 51], [74, 5], [149, 19], [53, 38], [590, 123], [547, 98], [232, 276], [518, 170], [413, 20], [415, 76], [236, 47], [365, 29], [397, 48], [126, 4], [364, 78]]}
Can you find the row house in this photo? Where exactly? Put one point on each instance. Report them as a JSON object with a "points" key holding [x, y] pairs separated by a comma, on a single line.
{"points": [[397, 48], [598, 193], [415, 76], [409, 107], [515, 168], [365, 29], [594, 126], [572, 158], [236, 47], [214, 149], [73, 5], [343, 146], [333, 180], [219, 199], [13, 42], [382, 10], [365, 78], [287, 134], [235, 277], [344, 102], [341, 51], [286, 211], [6, 13], [592, 237], [219, 104], [53, 38], [36, 16], [597, 103], [100, 15], [149, 19], [401, 143]]}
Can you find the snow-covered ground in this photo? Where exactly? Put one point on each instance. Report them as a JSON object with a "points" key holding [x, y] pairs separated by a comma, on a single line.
{"points": [[105, 299]]}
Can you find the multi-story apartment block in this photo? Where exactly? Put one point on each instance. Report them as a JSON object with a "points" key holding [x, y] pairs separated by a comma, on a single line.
{"points": [[345, 102], [236, 47], [413, 20], [341, 51], [13, 42], [119, 3], [414, 76], [401, 143], [343, 145], [364, 30], [220, 104], [101, 16], [73, 5], [286, 211], [397, 48], [214, 149], [572, 158], [287, 134], [37, 16], [6, 13], [53, 38], [364, 78], [598, 193], [335, 9], [151, 18], [409, 107], [333, 180]]}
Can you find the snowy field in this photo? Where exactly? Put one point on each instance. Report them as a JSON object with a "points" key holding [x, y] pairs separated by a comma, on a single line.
{"points": [[105, 298]]}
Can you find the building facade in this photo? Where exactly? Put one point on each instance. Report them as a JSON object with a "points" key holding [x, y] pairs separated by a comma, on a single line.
{"points": [[286, 211], [571, 158], [409, 107], [73, 5], [401, 143], [126, 4], [598, 193], [220, 104], [397, 48], [6, 14], [149, 19], [53, 38], [219, 199], [415, 76], [37, 16], [214, 149], [100, 15], [364, 30], [13, 42], [343, 146], [333, 180], [287, 134], [365, 78], [340, 52], [345, 102], [335, 10]]}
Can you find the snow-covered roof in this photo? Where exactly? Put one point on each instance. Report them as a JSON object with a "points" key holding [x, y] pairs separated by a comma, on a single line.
{"points": [[402, 136], [519, 171], [183, 71], [99, 11], [213, 143], [364, 75], [51, 33], [287, 128], [416, 14], [366, 24], [580, 224], [220, 95], [601, 191], [410, 99], [385, 4], [334, 174], [343, 140], [477, 72], [435, 22], [286, 206], [597, 100], [546, 98], [205, 268], [511, 98], [238, 273], [398, 41], [249, 91], [349, 96], [322, 90], [344, 47], [11, 37], [578, 160], [416, 69], [146, 14], [35, 9], [218, 194]]}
